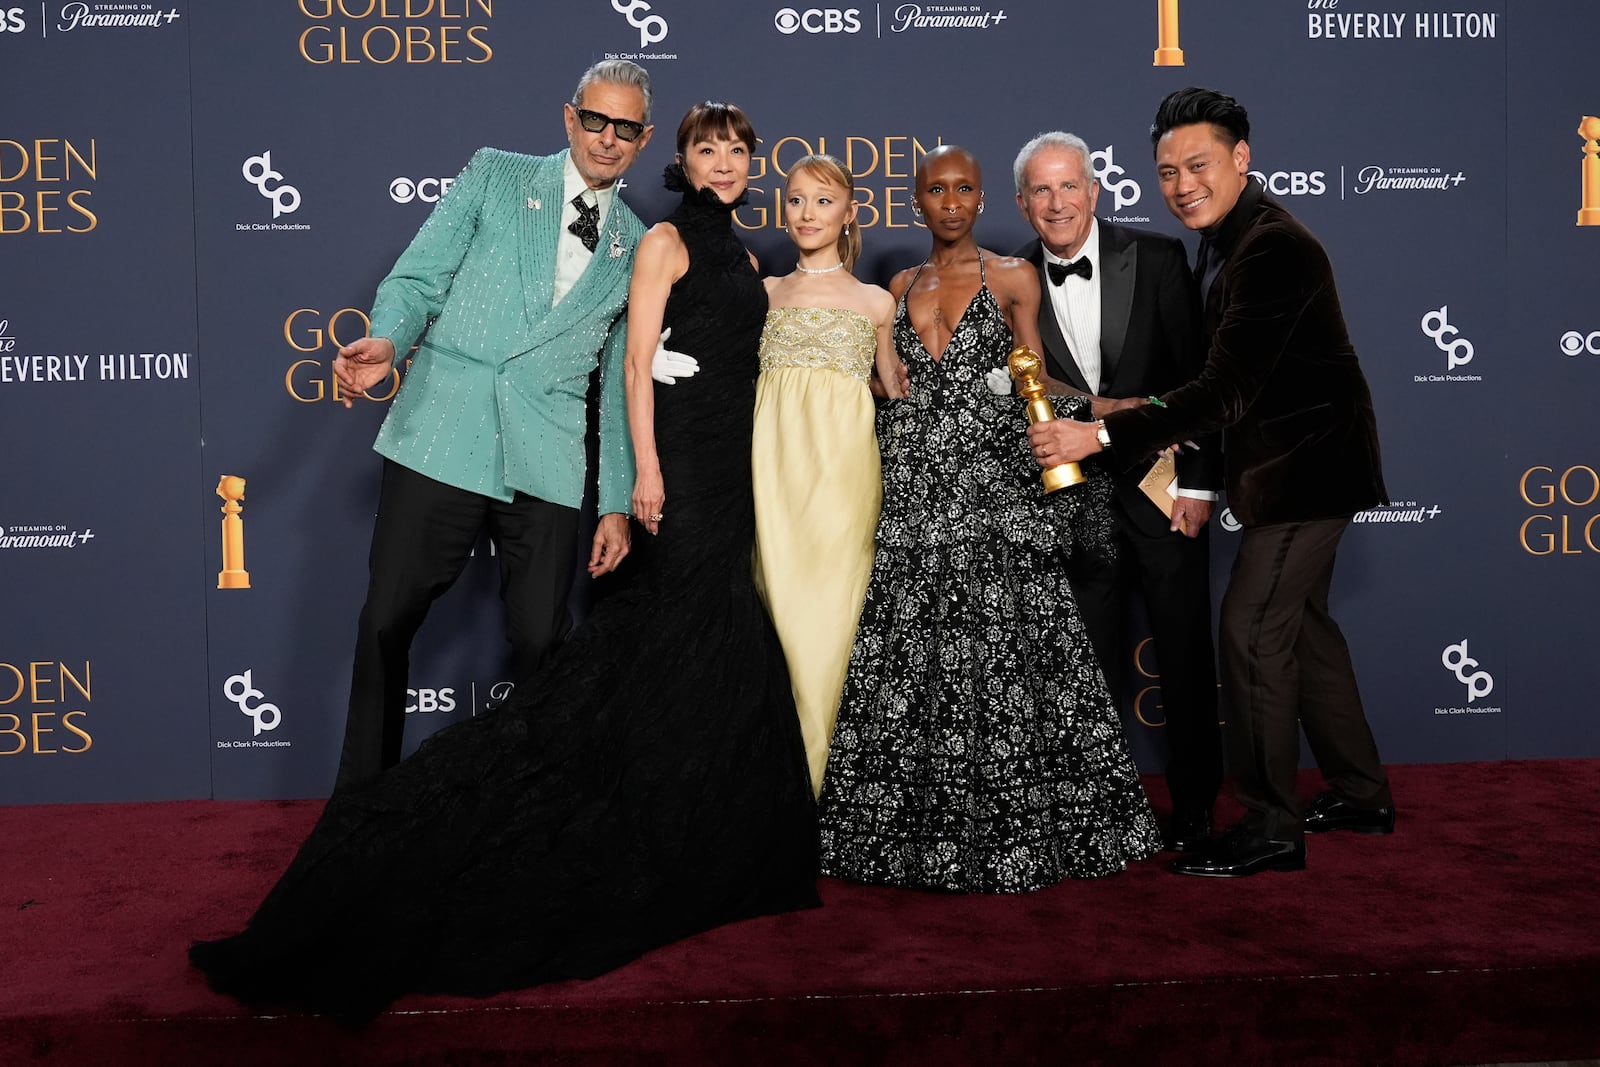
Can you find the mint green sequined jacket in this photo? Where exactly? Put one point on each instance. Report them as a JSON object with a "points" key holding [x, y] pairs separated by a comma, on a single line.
{"points": [[494, 399]]}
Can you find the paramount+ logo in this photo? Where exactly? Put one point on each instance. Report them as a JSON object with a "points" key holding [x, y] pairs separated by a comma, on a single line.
{"points": [[818, 20]]}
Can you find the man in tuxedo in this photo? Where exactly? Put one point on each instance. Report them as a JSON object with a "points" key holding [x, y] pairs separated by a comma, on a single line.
{"points": [[1300, 444], [1120, 319], [516, 286]]}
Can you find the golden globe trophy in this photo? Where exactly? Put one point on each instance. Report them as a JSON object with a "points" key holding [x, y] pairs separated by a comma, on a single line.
{"points": [[233, 575], [1168, 54], [1589, 130], [1025, 366]]}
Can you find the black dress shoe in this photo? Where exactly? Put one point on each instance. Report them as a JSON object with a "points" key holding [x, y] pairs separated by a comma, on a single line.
{"points": [[1239, 853], [1328, 812], [1189, 830]]}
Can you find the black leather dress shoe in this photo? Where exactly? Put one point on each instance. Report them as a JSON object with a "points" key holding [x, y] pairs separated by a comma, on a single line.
{"points": [[1189, 830], [1239, 853], [1327, 812]]}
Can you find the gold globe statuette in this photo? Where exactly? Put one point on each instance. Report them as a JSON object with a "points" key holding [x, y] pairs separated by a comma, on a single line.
{"points": [[1025, 366], [1589, 211]]}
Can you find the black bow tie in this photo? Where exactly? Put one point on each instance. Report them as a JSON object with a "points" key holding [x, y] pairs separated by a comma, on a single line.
{"points": [[586, 227], [1059, 271]]}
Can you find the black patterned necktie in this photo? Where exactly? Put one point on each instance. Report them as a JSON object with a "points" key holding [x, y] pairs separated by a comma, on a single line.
{"points": [[1059, 271], [586, 227]]}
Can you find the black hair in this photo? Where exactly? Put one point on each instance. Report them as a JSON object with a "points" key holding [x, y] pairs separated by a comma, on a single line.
{"points": [[1186, 107]]}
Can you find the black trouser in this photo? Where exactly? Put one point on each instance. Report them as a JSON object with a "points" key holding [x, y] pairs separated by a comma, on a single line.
{"points": [[1286, 667], [424, 534], [1174, 573]]}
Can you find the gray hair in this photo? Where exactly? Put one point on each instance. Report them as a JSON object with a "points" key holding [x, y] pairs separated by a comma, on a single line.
{"points": [[616, 72], [1054, 139]]}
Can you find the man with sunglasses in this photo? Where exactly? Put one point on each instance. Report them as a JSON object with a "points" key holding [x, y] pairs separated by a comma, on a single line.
{"points": [[514, 290]]}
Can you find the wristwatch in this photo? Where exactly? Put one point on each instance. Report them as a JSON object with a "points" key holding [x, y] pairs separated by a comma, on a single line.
{"points": [[1102, 435]]}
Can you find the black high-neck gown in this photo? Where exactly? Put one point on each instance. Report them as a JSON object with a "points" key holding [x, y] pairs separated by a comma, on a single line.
{"points": [[650, 784]]}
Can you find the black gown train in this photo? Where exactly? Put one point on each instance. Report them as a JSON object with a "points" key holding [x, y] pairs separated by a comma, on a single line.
{"points": [[651, 783]]}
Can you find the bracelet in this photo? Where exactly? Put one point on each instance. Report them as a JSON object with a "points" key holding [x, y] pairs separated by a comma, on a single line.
{"points": [[1157, 401]]}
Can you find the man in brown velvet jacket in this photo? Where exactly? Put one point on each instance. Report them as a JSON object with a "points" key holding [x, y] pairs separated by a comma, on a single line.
{"points": [[1300, 448]]}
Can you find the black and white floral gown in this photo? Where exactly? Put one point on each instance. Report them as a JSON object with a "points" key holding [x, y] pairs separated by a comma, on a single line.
{"points": [[977, 749]]}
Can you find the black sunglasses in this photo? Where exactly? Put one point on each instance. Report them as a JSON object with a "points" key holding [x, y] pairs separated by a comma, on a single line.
{"points": [[594, 122]]}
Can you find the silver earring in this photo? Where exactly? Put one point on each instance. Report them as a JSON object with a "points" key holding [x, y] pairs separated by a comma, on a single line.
{"points": [[916, 209], [980, 207], [847, 229]]}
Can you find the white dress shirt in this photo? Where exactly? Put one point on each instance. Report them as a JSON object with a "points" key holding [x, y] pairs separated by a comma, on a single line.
{"points": [[1077, 306], [571, 256]]}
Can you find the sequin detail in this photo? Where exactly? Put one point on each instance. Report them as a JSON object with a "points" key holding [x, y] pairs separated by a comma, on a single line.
{"points": [[828, 338]]}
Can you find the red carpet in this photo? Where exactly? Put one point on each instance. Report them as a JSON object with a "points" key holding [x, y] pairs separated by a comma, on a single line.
{"points": [[1470, 936]]}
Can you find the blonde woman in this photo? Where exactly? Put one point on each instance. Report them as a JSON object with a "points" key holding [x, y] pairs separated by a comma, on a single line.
{"points": [[814, 454]]}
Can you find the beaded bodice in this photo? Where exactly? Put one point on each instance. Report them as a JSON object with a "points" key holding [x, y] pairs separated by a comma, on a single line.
{"points": [[828, 338]]}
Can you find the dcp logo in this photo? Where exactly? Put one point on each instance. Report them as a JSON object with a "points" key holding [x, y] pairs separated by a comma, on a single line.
{"points": [[1293, 182], [1574, 343], [11, 20], [1229, 523], [242, 692], [652, 28], [818, 20], [1479, 683], [1125, 192], [1436, 324], [258, 172], [428, 190]]}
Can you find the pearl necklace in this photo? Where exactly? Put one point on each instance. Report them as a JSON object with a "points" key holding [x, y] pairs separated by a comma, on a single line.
{"points": [[824, 270]]}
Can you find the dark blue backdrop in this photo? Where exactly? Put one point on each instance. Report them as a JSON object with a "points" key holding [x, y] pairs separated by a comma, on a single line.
{"points": [[196, 203]]}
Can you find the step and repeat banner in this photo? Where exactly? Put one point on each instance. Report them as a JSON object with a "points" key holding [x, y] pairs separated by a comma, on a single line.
{"points": [[198, 200]]}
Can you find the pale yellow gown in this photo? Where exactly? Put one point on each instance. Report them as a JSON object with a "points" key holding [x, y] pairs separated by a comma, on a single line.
{"points": [[817, 490]]}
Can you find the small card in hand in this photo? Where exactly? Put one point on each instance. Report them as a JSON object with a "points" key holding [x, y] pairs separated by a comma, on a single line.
{"points": [[1161, 483]]}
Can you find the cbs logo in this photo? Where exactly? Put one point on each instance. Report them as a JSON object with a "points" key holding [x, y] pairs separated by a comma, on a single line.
{"points": [[11, 20], [1574, 343], [428, 701], [1292, 182], [818, 20], [428, 190]]}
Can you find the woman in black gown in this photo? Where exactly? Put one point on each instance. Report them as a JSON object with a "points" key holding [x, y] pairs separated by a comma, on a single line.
{"points": [[651, 782]]}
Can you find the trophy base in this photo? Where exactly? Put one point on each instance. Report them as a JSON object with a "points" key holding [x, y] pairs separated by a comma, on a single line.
{"points": [[1589, 216], [1169, 57], [233, 579], [1062, 475]]}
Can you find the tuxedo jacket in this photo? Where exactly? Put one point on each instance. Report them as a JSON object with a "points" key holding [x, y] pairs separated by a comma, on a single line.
{"points": [[1280, 380], [1150, 344], [495, 398]]}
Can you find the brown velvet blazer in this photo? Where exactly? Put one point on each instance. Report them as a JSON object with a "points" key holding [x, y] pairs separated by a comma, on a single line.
{"points": [[1281, 379]]}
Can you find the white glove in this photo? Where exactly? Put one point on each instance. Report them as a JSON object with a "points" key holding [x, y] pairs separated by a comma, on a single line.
{"points": [[667, 366], [998, 381]]}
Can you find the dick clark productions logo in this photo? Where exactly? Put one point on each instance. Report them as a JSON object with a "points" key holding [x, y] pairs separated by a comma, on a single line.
{"points": [[1455, 659], [258, 172], [1457, 349], [241, 691]]}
